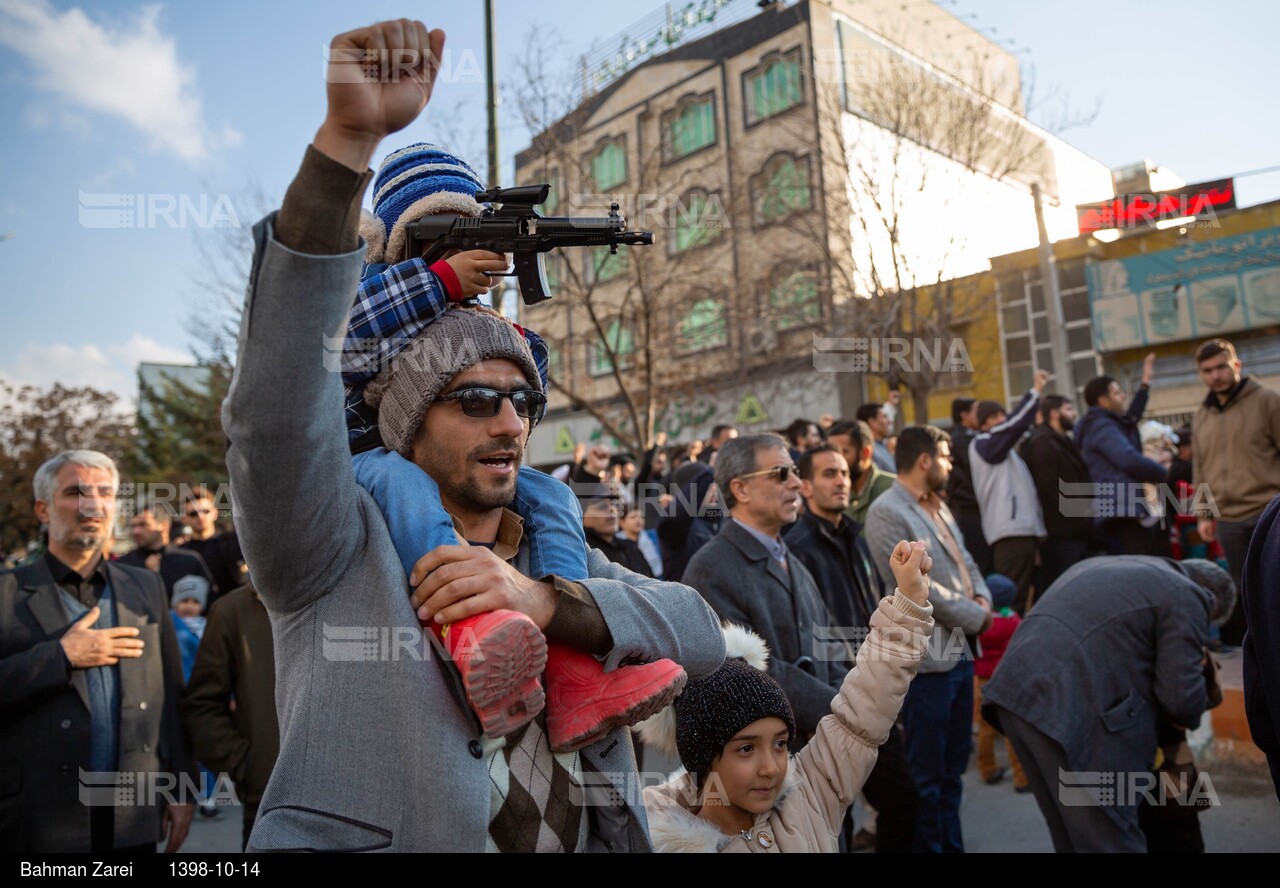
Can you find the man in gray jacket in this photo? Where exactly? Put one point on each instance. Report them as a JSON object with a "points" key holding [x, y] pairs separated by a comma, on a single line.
{"points": [[378, 749], [937, 715], [1114, 647]]}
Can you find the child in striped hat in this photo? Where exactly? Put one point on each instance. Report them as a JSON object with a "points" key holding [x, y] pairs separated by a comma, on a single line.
{"points": [[406, 340]]}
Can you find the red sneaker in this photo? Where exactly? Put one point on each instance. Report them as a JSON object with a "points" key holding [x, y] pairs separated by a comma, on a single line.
{"points": [[499, 656], [584, 702]]}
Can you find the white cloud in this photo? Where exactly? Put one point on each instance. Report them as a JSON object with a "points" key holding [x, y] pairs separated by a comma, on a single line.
{"points": [[128, 70], [105, 180], [112, 368]]}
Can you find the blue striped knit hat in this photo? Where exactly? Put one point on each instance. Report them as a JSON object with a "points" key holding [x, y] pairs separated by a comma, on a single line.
{"points": [[416, 181]]}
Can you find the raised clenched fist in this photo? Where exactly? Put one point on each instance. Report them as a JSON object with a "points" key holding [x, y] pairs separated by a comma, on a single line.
{"points": [[910, 563], [379, 79]]}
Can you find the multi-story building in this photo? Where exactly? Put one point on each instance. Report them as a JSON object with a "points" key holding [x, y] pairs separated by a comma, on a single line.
{"points": [[822, 170]]}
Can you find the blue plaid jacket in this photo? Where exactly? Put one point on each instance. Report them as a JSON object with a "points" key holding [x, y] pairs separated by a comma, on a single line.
{"points": [[394, 305]]}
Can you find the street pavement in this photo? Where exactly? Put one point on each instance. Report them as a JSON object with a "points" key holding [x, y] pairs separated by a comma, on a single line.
{"points": [[995, 818]]}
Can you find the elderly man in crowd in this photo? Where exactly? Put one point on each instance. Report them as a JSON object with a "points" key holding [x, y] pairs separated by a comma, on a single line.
{"points": [[90, 677]]}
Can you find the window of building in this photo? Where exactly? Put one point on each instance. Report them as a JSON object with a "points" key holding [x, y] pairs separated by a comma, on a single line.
{"points": [[604, 265], [774, 87], [620, 340], [609, 165], [552, 203], [1026, 326], [781, 188], [705, 325], [555, 361], [697, 221], [793, 300], [691, 127]]}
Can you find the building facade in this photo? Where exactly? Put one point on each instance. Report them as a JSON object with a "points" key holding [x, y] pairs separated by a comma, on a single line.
{"points": [[796, 214]]}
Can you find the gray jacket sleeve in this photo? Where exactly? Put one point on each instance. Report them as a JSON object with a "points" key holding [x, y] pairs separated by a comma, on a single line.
{"points": [[1181, 632], [951, 607], [651, 619], [293, 487]]}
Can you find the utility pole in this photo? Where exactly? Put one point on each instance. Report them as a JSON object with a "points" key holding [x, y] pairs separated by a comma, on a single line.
{"points": [[491, 89], [1057, 326]]}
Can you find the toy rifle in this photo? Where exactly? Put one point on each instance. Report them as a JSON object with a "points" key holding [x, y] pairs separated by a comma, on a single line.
{"points": [[510, 224]]}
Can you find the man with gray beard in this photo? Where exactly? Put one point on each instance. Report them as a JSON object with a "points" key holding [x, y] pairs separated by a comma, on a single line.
{"points": [[90, 677]]}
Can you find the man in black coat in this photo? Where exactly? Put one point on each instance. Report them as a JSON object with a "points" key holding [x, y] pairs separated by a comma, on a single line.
{"points": [[150, 528], [1061, 478], [601, 517], [691, 520], [830, 543], [220, 551], [961, 497], [831, 546], [92, 756]]}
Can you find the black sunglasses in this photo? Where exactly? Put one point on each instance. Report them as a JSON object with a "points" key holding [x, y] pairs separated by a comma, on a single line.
{"points": [[780, 473], [486, 402]]}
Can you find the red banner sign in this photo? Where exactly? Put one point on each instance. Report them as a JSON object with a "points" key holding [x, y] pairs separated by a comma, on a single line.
{"points": [[1145, 210]]}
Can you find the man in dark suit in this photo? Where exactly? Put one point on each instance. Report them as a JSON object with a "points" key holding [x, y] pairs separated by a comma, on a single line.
{"points": [[150, 529], [92, 756], [1127, 638], [748, 576]]}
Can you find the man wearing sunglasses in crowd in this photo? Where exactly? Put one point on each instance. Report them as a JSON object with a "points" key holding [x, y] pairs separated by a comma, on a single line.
{"points": [[219, 550], [380, 749], [747, 575]]}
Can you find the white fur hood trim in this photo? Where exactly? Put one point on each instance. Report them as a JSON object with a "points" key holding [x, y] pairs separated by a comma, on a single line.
{"points": [[673, 828]]}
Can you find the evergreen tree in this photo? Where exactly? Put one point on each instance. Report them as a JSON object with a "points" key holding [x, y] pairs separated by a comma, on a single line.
{"points": [[179, 438]]}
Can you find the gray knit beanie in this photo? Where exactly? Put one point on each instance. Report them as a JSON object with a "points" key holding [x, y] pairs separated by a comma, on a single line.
{"points": [[460, 338]]}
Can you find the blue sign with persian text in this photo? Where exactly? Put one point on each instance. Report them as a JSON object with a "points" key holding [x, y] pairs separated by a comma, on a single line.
{"points": [[1197, 291]]}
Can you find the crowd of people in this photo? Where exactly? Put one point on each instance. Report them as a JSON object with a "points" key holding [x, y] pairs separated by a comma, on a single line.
{"points": [[778, 623]]}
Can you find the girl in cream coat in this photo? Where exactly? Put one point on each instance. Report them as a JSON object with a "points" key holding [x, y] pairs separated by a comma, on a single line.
{"points": [[742, 790]]}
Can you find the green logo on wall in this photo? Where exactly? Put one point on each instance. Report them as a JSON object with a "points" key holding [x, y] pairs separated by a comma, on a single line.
{"points": [[751, 411], [564, 440]]}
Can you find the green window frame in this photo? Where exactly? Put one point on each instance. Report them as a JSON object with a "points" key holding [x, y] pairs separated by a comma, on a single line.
{"points": [[704, 326], [775, 88], [690, 128], [552, 203], [692, 227], [793, 301], [620, 338], [784, 189], [555, 361], [609, 165]]}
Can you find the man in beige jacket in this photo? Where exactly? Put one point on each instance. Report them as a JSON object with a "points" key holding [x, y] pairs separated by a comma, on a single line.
{"points": [[1235, 441]]}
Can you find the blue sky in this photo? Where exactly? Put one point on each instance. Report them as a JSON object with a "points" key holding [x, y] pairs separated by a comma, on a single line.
{"points": [[198, 100]]}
